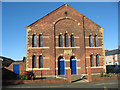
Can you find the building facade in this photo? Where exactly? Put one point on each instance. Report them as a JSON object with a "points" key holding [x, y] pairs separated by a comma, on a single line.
{"points": [[65, 39], [112, 57]]}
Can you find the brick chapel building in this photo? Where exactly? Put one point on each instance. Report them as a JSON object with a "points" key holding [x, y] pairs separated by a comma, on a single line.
{"points": [[65, 39]]}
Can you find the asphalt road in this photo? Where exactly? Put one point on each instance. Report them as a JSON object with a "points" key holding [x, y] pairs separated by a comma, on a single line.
{"points": [[85, 84]]}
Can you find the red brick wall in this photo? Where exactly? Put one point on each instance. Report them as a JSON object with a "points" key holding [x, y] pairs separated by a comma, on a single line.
{"points": [[22, 67], [105, 78], [55, 23]]}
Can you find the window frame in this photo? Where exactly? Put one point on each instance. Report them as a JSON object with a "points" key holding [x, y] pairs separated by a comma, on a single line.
{"points": [[72, 41], [40, 40], [90, 41], [66, 40], [91, 60], [34, 40]]}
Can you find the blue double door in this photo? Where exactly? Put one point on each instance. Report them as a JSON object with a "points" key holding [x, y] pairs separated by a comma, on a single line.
{"points": [[16, 68], [73, 67]]}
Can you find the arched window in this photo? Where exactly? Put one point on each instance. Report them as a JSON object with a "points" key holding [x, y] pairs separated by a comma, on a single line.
{"points": [[66, 40], [34, 41], [40, 40], [72, 41], [97, 60], [92, 60], [60, 41], [96, 41], [40, 61], [91, 41], [34, 62]]}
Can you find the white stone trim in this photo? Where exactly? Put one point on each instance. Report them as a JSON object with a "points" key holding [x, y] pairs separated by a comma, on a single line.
{"points": [[38, 47], [93, 47], [66, 47], [27, 69]]}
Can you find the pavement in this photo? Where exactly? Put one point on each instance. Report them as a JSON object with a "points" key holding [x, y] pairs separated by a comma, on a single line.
{"points": [[78, 84]]}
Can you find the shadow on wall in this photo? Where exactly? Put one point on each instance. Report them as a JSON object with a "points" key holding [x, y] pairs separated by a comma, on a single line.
{"points": [[8, 75], [113, 68]]}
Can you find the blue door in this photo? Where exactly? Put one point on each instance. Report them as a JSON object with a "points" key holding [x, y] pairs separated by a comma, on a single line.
{"points": [[74, 68], [62, 67], [16, 68]]}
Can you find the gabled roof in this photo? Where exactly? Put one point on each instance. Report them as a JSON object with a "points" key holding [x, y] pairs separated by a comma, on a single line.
{"points": [[64, 5], [112, 52]]}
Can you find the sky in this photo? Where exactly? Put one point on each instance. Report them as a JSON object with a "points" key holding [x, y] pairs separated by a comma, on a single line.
{"points": [[17, 15]]}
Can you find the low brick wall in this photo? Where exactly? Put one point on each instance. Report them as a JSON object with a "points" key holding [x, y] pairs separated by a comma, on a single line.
{"points": [[68, 80], [6, 82], [105, 78]]}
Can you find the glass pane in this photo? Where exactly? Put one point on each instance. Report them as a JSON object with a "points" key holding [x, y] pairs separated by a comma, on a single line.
{"points": [[92, 60], [34, 62], [72, 41], [91, 41], [41, 41], [60, 41], [41, 62], [34, 41], [96, 41], [66, 40], [97, 60]]}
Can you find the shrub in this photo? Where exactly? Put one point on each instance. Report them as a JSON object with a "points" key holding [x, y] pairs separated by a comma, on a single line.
{"points": [[102, 75], [27, 75]]}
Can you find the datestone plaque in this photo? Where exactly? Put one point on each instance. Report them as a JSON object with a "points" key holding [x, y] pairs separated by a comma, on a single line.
{"points": [[67, 52]]}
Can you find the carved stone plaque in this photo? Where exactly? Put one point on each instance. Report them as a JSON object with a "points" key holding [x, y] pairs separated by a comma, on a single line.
{"points": [[67, 51]]}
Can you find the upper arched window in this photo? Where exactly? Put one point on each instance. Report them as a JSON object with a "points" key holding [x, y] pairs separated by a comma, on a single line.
{"points": [[90, 41], [97, 60], [40, 40], [40, 61], [34, 41], [92, 60], [66, 40], [96, 41], [72, 41], [60, 41], [34, 62]]}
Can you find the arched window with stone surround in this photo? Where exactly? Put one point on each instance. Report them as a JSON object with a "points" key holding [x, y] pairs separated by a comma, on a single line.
{"points": [[40, 61], [92, 60], [40, 40], [97, 60], [66, 40], [60, 41], [34, 41], [96, 41], [91, 41], [34, 62], [72, 41]]}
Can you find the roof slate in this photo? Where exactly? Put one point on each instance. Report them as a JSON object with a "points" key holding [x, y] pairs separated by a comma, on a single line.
{"points": [[112, 52]]}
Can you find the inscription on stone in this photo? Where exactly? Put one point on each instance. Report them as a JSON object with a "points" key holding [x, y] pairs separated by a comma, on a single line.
{"points": [[67, 51]]}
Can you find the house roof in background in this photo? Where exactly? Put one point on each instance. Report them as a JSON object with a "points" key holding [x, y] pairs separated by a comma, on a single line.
{"points": [[112, 52]]}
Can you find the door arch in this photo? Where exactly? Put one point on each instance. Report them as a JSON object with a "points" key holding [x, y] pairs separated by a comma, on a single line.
{"points": [[61, 66], [73, 65]]}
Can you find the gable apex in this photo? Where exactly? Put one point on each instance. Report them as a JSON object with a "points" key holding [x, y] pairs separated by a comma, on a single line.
{"points": [[63, 6]]}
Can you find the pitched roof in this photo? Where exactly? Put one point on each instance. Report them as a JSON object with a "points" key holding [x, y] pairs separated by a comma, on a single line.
{"points": [[57, 10], [112, 52]]}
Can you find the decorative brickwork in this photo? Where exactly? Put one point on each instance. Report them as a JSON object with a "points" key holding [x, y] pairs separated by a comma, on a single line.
{"points": [[64, 20]]}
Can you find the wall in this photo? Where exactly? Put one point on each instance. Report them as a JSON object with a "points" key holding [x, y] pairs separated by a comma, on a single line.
{"points": [[56, 23], [22, 67]]}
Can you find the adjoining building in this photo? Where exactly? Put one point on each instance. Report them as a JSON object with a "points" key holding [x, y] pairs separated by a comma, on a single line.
{"points": [[112, 57], [65, 39]]}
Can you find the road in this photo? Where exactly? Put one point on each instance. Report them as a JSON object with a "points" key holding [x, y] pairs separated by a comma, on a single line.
{"points": [[85, 84]]}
